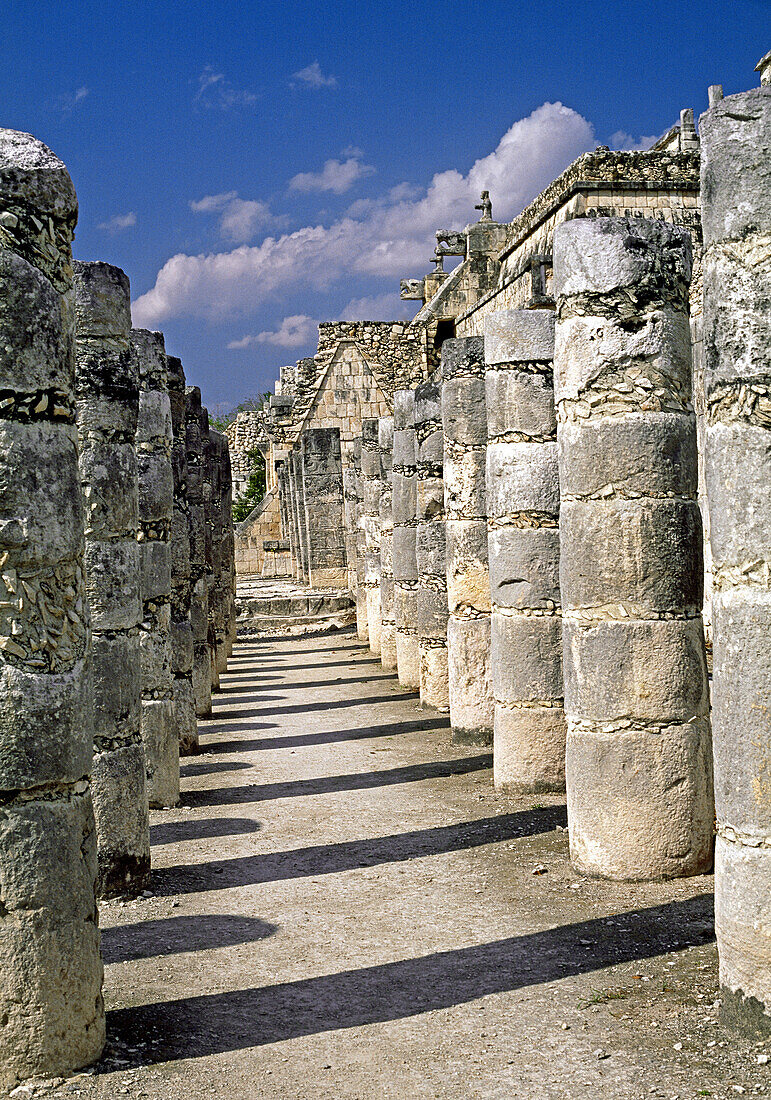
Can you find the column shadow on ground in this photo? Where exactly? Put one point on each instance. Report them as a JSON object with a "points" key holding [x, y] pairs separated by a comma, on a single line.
{"points": [[212, 766], [259, 666], [228, 1021], [293, 685], [198, 828], [330, 859], [176, 935], [326, 737], [319, 705], [332, 784]]}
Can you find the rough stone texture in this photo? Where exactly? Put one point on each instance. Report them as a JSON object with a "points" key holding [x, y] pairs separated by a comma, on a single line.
{"points": [[211, 541], [431, 547], [182, 650], [160, 734], [388, 654], [360, 547], [107, 399], [51, 1010], [638, 768], [523, 547], [372, 489], [322, 477], [199, 600], [298, 507], [468, 581], [736, 188], [405, 562]]}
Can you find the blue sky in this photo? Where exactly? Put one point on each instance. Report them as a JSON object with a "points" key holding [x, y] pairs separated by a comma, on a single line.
{"points": [[255, 168]]}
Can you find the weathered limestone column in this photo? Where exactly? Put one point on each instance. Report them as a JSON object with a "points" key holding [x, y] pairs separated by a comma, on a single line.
{"points": [[322, 475], [362, 624], [736, 192], [107, 395], [350, 502], [523, 500], [181, 636], [370, 472], [468, 582], [228, 553], [431, 548], [405, 562], [160, 735], [298, 494], [387, 622], [199, 599], [210, 512], [218, 594], [638, 766], [50, 970]]}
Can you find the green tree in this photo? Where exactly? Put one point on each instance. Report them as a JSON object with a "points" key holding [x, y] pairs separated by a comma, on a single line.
{"points": [[256, 403], [255, 487]]}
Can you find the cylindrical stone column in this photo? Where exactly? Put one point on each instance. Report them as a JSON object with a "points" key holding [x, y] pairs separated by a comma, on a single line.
{"points": [[51, 1010], [362, 624], [404, 556], [387, 622], [218, 607], [107, 395], [468, 581], [638, 764], [210, 512], [181, 636], [228, 553], [373, 486], [350, 504], [199, 599], [431, 548], [736, 217], [523, 544], [160, 735]]}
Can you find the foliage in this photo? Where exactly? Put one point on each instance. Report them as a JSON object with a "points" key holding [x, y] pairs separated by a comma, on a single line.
{"points": [[256, 403], [255, 488]]}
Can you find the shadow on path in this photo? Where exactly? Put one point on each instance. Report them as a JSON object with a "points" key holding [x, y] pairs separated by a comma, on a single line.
{"points": [[219, 1022], [197, 828], [317, 707], [327, 737], [175, 935]]}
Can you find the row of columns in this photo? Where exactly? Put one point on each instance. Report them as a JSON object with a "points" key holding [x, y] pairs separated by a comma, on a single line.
{"points": [[101, 547]]}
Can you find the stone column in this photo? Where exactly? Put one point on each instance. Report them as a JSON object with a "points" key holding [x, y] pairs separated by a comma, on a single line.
{"points": [[405, 563], [228, 553], [298, 494], [523, 500], [362, 622], [50, 971], [431, 549], [322, 474], [160, 734], [107, 394], [218, 607], [370, 472], [468, 582], [210, 512], [387, 622], [182, 653], [199, 599], [350, 503], [736, 192], [638, 764]]}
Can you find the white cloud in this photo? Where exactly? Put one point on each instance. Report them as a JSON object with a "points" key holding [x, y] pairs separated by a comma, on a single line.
{"points": [[312, 77], [239, 218], [118, 222], [378, 307], [67, 103], [336, 176], [293, 332], [392, 236], [626, 143], [214, 90]]}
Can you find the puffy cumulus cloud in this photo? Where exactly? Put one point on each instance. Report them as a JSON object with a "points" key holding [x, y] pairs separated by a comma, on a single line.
{"points": [[312, 77], [215, 91], [293, 332], [626, 143], [385, 237], [118, 222], [337, 176], [378, 307], [239, 218]]}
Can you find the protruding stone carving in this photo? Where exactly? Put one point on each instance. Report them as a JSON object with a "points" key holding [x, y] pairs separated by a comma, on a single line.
{"points": [[107, 395], [638, 761], [523, 544], [405, 563], [431, 550], [736, 190], [387, 621], [50, 971], [181, 637], [468, 582], [370, 473], [156, 495]]}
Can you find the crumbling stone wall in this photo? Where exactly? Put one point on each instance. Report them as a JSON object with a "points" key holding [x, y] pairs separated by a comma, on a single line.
{"points": [[107, 396]]}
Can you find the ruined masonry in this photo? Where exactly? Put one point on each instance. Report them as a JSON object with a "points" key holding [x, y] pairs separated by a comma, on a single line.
{"points": [[98, 553]]}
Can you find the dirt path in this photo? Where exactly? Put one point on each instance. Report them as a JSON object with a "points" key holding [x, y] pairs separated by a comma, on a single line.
{"points": [[345, 908]]}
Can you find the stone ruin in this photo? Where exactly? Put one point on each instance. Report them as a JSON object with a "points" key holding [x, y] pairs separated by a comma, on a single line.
{"points": [[515, 487], [117, 557], [555, 485]]}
